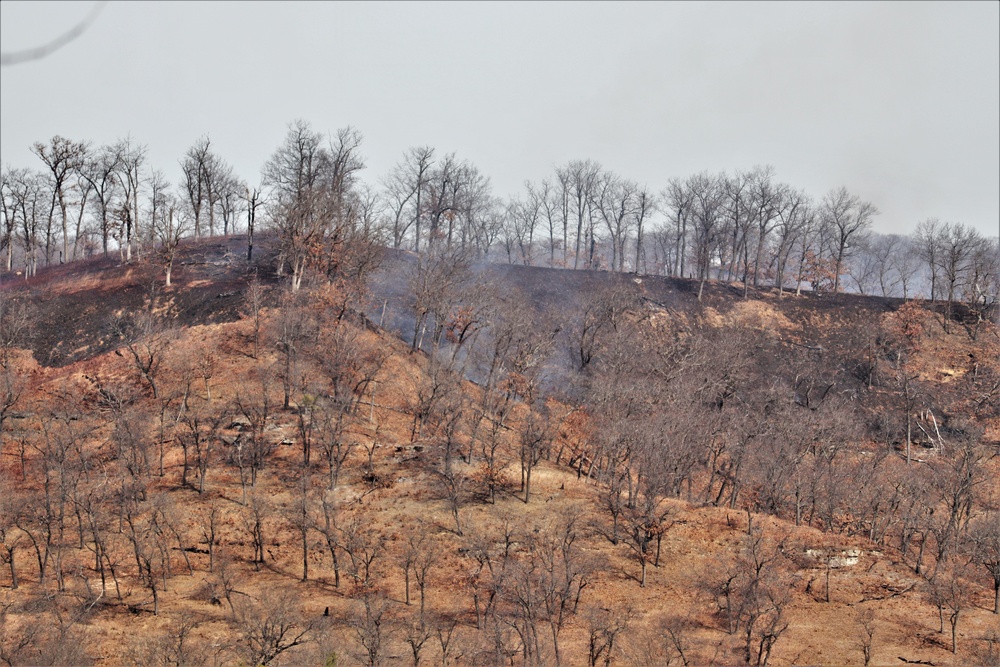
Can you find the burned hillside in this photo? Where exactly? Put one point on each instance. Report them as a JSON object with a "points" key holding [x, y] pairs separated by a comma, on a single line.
{"points": [[475, 464]]}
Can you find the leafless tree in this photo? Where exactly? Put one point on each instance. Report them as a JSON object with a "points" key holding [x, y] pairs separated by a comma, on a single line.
{"points": [[62, 157], [254, 446], [867, 627], [256, 510], [905, 265], [269, 627], [984, 548], [863, 266], [169, 232], [794, 217], [577, 189], [210, 523], [956, 248], [753, 593], [365, 546], [17, 323], [173, 645], [299, 515], [616, 200], [197, 167], [768, 199], [253, 198], [646, 520], [146, 338], [330, 529], [8, 211], [29, 196], [310, 186], [604, 626], [101, 171], [678, 201], [371, 624], [406, 192], [949, 592], [132, 157], [254, 298], [738, 223], [981, 292], [80, 189], [563, 572], [927, 240], [848, 218], [706, 209], [226, 194], [521, 218], [535, 438], [453, 484]]}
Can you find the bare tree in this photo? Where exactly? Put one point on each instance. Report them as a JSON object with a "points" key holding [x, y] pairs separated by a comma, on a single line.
{"points": [[365, 546], [196, 167], [453, 483], [578, 183], [169, 232], [867, 627], [310, 188], [298, 513], [949, 593], [848, 218], [678, 200], [616, 201], [62, 157], [982, 285], [9, 213], [957, 245], [146, 339], [132, 157], [604, 626], [984, 548], [405, 188], [370, 622], [794, 217], [535, 437], [253, 306], [29, 197], [269, 627], [254, 200], [646, 520], [706, 196], [254, 446], [753, 593], [255, 513], [927, 239], [768, 199], [101, 171]]}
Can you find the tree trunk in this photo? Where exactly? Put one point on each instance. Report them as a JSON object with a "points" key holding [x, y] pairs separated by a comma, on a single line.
{"points": [[305, 556], [13, 568]]}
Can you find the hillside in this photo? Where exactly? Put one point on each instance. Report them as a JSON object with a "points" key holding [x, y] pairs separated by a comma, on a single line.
{"points": [[565, 467]]}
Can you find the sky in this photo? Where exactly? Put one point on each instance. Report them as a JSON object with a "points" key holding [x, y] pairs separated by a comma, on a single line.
{"points": [[898, 102]]}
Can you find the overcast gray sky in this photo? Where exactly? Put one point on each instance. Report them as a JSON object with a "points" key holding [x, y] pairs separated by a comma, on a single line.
{"points": [[897, 101]]}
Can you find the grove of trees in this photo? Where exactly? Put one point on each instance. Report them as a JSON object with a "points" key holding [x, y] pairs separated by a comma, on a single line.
{"points": [[746, 226]]}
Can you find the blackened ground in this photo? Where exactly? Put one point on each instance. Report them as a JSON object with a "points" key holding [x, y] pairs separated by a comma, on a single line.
{"points": [[74, 305]]}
